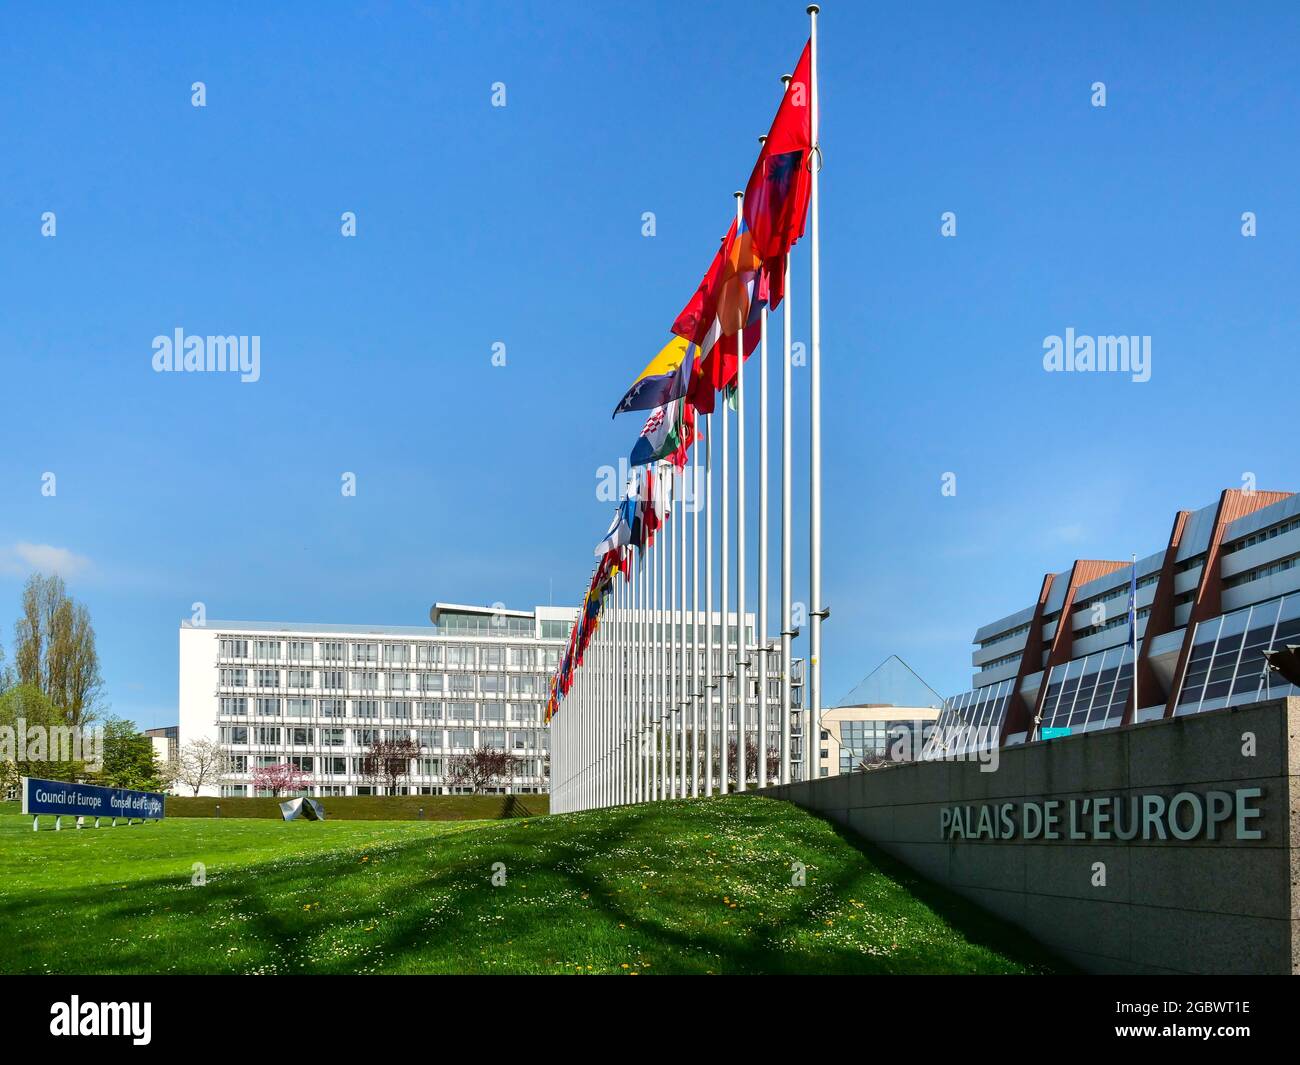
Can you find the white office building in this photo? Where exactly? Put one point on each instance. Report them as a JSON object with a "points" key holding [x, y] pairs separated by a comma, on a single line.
{"points": [[318, 696]]}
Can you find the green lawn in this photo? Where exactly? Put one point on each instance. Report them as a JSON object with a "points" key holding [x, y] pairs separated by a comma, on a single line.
{"points": [[684, 887]]}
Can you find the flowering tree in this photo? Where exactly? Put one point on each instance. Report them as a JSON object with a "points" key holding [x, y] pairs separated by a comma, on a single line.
{"points": [[389, 760], [280, 779]]}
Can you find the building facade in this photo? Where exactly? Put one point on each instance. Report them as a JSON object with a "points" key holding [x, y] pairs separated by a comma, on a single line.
{"points": [[888, 717], [318, 696], [1224, 588]]}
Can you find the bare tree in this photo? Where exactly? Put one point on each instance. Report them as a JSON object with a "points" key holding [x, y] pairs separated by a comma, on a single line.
{"points": [[481, 768], [200, 763], [54, 648], [389, 761]]}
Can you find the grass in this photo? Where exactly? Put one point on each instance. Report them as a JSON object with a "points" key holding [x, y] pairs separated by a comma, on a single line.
{"points": [[373, 807], [681, 887]]}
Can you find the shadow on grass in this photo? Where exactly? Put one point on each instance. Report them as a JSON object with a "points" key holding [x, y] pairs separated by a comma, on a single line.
{"points": [[573, 895]]}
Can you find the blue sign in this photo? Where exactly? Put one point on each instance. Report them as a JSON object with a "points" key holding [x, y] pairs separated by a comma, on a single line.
{"points": [[62, 799], [1054, 733]]}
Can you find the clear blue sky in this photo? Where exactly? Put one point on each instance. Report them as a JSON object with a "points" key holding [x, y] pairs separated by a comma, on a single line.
{"points": [[523, 225]]}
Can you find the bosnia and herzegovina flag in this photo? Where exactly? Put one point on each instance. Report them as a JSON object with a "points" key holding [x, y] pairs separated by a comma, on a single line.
{"points": [[667, 435], [664, 379]]}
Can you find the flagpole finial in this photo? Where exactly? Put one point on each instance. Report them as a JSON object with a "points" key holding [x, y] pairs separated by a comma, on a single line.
{"points": [[738, 195], [786, 79], [813, 9], [762, 139]]}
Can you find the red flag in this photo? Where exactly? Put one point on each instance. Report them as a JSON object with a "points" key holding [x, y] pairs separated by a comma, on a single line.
{"points": [[699, 314], [776, 198], [718, 371]]}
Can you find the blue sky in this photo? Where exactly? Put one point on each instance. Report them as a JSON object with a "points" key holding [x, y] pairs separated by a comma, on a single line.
{"points": [[522, 225]]}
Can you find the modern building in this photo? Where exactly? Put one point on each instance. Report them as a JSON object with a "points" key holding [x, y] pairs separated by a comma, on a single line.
{"points": [[1224, 588], [166, 742], [318, 696], [887, 717]]}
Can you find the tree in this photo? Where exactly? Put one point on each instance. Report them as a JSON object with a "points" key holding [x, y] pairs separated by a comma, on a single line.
{"points": [[128, 759], [200, 763], [389, 760], [280, 779], [41, 743], [751, 762], [54, 648], [481, 768]]}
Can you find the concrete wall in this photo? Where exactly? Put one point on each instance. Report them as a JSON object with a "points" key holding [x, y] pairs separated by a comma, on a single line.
{"points": [[1202, 906]]}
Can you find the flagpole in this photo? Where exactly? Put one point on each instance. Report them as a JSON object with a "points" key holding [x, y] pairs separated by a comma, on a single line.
{"points": [[787, 632], [683, 700], [708, 606], [638, 749], [1136, 705], [724, 725], [695, 619], [762, 539], [673, 719], [818, 611], [665, 548], [742, 640]]}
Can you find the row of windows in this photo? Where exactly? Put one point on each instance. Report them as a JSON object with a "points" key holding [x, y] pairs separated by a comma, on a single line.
{"points": [[390, 709], [429, 739], [342, 766], [459, 656], [971, 721], [1262, 536], [336, 679], [1260, 572], [1090, 692], [325, 791]]}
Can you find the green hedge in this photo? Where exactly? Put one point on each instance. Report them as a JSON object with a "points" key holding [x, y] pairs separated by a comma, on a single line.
{"points": [[374, 807]]}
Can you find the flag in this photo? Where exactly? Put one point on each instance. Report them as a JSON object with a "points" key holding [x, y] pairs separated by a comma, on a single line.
{"points": [[776, 197], [664, 379], [620, 529], [666, 431], [718, 371]]}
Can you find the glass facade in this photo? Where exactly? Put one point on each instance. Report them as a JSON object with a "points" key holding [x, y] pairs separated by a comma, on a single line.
{"points": [[1226, 666], [1088, 693], [971, 721], [866, 742]]}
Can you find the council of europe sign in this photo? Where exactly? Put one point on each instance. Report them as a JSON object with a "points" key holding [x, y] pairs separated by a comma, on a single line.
{"points": [[62, 799]]}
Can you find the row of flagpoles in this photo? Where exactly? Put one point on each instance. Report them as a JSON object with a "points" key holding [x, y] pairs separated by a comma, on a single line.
{"points": [[655, 698]]}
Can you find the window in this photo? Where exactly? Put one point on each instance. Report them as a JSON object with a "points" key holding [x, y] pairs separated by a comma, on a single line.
{"points": [[301, 650], [462, 738], [461, 655], [267, 736], [397, 682], [234, 791], [461, 684], [522, 658], [334, 766], [300, 736], [267, 706], [364, 682], [461, 711], [332, 680], [493, 737], [234, 704], [268, 678], [234, 678], [399, 710], [491, 684], [235, 735], [298, 707], [234, 648], [364, 737], [266, 650], [430, 711], [429, 738], [332, 651], [365, 653], [494, 712], [332, 708], [428, 654], [238, 763], [305, 762], [300, 678], [365, 707], [396, 654], [430, 682], [332, 737]]}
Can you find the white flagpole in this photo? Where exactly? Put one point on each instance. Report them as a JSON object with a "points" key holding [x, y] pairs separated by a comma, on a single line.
{"points": [[724, 726], [761, 642], [671, 636], [1136, 705], [709, 682], [639, 735], [787, 469], [695, 617], [818, 610], [665, 548], [742, 642], [683, 700]]}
